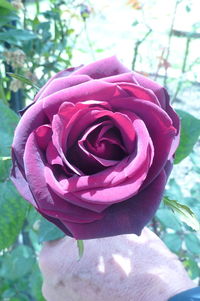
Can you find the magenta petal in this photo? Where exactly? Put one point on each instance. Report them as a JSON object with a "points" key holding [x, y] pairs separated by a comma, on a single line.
{"points": [[91, 90], [52, 155], [139, 92], [124, 77], [63, 73], [32, 119], [159, 126], [61, 83], [121, 181], [19, 179], [157, 89], [43, 135], [103, 68], [48, 202], [127, 217], [62, 189]]}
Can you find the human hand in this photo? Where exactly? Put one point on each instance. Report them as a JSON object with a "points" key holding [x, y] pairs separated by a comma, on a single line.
{"points": [[125, 267]]}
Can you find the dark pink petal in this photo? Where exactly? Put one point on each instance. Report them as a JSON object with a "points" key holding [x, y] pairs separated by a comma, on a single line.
{"points": [[63, 73], [159, 126], [52, 155], [19, 180], [124, 77], [124, 125], [104, 148], [62, 190], [43, 135], [120, 181], [163, 98], [139, 92], [31, 119], [103, 68], [48, 202], [156, 88], [126, 217], [61, 83], [91, 90]]}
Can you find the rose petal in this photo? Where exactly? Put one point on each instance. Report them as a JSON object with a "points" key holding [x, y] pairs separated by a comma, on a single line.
{"points": [[157, 89], [61, 83], [127, 217], [19, 180], [43, 135], [159, 126], [63, 73], [128, 175], [139, 92], [31, 119], [124, 77], [91, 90], [58, 186], [48, 202], [103, 68]]}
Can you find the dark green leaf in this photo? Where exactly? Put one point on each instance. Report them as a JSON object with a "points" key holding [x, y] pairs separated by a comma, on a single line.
{"points": [[6, 4], [173, 241], [80, 246], [48, 231], [190, 131], [192, 243], [13, 212], [7, 16], [23, 79], [9, 121], [185, 213]]}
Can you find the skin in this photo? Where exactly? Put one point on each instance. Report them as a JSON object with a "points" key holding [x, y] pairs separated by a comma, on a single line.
{"points": [[125, 267]]}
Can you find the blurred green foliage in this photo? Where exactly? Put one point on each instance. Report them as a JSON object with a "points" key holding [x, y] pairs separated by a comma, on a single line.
{"points": [[42, 45]]}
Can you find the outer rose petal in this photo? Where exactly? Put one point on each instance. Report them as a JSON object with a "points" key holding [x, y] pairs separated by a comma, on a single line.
{"points": [[126, 217], [63, 73], [103, 68]]}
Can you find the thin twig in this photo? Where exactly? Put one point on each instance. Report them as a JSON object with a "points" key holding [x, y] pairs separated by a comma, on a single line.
{"points": [[169, 40], [183, 69], [137, 45]]}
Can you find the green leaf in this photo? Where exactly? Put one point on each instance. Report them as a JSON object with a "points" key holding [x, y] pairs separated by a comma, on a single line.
{"points": [[5, 165], [6, 4], [173, 241], [24, 80], [14, 36], [192, 268], [8, 123], [7, 16], [35, 282], [184, 212], [48, 231], [168, 219], [80, 246], [192, 243], [17, 263], [13, 211], [190, 131]]}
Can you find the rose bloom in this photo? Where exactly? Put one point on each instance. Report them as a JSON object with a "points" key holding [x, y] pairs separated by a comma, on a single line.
{"points": [[93, 152]]}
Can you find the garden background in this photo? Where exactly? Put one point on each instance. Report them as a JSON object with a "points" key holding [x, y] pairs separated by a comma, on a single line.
{"points": [[158, 38]]}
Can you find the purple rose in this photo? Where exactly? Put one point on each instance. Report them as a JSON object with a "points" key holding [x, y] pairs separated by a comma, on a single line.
{"points": [[93, 153]]}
